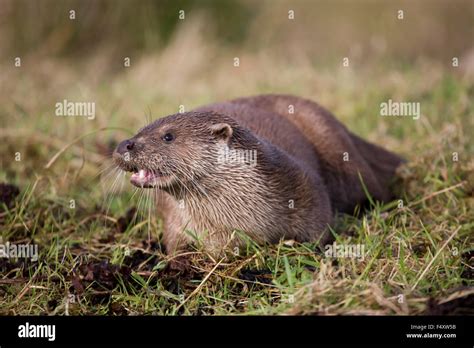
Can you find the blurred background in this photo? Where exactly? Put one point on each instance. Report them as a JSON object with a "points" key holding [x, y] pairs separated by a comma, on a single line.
{"points": [[65, 196], [295, 47]]}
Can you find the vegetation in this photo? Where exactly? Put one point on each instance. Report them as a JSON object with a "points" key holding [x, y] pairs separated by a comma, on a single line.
{"points": [[99, 250]]}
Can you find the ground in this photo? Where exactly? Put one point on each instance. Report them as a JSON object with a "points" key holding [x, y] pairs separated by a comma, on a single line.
{"points": [[97, 256]]}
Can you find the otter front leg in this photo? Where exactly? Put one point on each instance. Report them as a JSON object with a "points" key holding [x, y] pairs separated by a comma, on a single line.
{"points": [[175, 239], [220, 243], [176, 221]]}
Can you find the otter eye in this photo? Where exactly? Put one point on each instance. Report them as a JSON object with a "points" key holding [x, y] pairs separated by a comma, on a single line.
{"points": [[168, 137]]}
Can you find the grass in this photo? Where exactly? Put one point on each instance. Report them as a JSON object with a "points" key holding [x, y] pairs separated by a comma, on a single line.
{"points": [[415, 252], [97, 256]]}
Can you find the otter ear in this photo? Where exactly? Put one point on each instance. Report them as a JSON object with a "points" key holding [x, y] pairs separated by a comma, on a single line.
{"points": [[222, 131]]}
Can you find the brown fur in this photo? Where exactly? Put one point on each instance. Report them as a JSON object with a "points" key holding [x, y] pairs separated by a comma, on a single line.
{"points": [[300, 179]]}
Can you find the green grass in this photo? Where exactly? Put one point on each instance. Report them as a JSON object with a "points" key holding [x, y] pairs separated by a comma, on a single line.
{"points": [[96, 258]]}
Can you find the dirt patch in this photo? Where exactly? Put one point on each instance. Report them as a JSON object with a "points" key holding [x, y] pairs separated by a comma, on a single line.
{"points": [[124, 221], [254, 275], [8, 194], [51, 305], [100, 277], [420, 249], [15, 268], [141, 261], [116, 308], [179, 272]]}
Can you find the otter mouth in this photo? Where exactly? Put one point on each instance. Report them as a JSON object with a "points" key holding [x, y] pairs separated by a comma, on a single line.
{"points": [[145, 178]]}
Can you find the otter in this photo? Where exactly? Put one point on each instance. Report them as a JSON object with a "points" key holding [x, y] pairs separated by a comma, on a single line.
{"points": [[269, 167]]}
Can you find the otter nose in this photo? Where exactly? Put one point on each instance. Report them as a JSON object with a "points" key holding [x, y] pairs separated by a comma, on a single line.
{"points": [[125, 146]]}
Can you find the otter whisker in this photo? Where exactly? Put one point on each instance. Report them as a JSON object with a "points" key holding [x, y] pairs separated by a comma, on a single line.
{"points": [[110, 194]]}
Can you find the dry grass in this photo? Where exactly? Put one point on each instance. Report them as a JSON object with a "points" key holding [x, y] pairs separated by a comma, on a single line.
{"points": [[419, 256]]}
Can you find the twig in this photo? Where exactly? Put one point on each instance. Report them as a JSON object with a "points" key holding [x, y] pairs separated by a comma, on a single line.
{"points": [[195, 291], [431, 195]]}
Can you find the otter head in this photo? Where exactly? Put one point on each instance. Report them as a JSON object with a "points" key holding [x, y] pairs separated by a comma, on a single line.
{"points": [[174, 151]]}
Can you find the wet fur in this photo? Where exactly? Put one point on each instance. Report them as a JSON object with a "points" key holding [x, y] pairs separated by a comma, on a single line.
{"points": [[300, 179]]}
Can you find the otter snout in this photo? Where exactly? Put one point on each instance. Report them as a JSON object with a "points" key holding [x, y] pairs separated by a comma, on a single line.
{"points": [[135, 155], [125, 146], [124, 153]]}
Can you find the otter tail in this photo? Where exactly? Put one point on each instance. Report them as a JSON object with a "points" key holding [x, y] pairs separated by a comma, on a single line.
{"points": [[384, 163]]}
